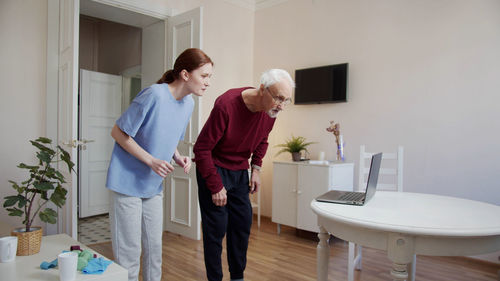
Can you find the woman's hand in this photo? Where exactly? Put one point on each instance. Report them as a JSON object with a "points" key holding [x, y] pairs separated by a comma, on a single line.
{"points": [[184, 162], [161, 167]]}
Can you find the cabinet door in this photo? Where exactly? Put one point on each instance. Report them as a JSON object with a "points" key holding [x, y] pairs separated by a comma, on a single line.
{"points": [[312, 182], [285, 194]]}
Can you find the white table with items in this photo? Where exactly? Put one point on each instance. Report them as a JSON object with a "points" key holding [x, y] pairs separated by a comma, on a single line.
{"points": [[27, 268], [404, 224]]}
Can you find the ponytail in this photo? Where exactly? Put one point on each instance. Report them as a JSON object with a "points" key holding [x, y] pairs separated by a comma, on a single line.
{"points": [[188, 60], [168, 77]]}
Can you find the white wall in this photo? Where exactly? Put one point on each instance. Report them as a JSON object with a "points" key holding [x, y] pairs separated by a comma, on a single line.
{"points": [[423, 74], [23, 51]]}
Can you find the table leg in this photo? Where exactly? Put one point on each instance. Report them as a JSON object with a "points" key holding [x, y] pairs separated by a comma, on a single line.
{"points": [[400, 250], [399, 272], [322, 254]]}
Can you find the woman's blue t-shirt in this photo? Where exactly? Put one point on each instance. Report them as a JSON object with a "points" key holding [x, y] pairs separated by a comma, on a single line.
{"points": [[157, 122]]}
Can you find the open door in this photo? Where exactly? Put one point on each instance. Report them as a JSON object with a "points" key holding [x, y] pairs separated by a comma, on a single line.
{"points": [[67, 119], [182, 213], [100, 107]]}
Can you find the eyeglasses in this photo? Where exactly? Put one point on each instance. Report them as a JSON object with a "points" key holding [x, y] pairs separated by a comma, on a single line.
{"points": [[279, 100]]}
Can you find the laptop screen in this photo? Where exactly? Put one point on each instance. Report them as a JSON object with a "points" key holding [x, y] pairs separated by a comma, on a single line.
{"points": [[371, 185]]}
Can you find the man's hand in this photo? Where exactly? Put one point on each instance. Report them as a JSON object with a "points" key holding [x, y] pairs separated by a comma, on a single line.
{"points": [[220, 198], [184, 162], [161, 167], [255, 181]]}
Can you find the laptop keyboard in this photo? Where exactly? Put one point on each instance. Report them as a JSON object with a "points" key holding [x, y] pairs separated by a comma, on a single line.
{"points": [[352, 196]]}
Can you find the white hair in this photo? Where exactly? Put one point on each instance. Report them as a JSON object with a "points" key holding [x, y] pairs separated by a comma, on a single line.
{"points": [[273, 76]]}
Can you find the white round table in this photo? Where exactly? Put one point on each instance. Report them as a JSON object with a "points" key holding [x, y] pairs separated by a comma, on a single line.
{"points": [[405, 224]]}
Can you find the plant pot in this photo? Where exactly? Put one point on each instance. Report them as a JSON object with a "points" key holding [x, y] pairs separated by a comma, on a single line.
{"points": [[28, 243], [296, 156]]}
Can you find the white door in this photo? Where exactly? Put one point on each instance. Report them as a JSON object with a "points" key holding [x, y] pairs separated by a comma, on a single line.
{"points": [[100, 106], [182, 213], [68, 105]]}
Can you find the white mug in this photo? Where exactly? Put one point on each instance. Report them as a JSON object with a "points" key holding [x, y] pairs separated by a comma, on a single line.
{"points": [[8, 248], [67, 262]]}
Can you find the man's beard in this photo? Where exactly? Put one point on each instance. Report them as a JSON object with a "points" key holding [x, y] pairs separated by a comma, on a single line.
{"points": [[273, 113]]}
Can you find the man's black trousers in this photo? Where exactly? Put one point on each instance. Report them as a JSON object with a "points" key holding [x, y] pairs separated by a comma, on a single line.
{"points": [[235, 219]]}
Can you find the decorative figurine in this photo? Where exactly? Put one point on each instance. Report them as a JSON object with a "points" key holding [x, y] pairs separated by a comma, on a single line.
{"points": [[335, 129]]}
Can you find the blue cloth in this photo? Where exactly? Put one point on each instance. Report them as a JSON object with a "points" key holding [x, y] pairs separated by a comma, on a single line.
{"points": [[96, 266], [46, 265], [157, 122]]}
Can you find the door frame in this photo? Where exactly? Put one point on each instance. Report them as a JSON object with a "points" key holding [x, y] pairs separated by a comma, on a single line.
{"points": [[68, 223], [67, 214], [52, 84]]}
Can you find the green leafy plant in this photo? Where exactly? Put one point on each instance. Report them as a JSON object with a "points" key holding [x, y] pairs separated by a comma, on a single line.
{"points": [[294, 144], [44, 181]]}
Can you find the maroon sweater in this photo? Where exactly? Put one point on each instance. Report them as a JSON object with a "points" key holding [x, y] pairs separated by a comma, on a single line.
{"points": [[230, 136]]}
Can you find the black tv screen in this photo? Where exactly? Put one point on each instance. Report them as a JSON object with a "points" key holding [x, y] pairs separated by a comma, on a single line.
{"points": [[324, 84]]}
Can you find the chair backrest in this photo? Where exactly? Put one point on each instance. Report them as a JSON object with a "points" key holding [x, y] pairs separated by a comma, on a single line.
{"points": [[391, 170]]}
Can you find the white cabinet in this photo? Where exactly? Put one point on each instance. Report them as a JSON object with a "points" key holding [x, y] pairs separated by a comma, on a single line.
{"points": [[296, 184]]}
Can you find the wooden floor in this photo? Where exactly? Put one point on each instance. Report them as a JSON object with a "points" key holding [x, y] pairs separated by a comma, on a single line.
{"points": [[292, 257]]}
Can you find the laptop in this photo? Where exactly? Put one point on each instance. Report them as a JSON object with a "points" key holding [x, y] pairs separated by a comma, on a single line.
{"points": [[356, 198]]}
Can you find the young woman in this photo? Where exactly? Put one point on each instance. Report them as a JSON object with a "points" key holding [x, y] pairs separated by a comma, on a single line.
{"points": [[146, 138]]}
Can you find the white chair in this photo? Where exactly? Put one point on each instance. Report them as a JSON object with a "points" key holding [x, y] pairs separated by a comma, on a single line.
{"points": [[391, 179]]}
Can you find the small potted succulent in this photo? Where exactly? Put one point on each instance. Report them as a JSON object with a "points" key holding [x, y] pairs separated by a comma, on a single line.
{"points": [[294, 145], [44, 184]]}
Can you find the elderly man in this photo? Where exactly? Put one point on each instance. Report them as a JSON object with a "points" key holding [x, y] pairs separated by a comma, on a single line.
{"points": [[237, 129]]}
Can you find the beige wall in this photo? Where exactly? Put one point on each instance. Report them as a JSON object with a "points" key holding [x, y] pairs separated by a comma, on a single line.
{"points": [[88, 43], [108, 47], [228, 39], [423, 74], [119, 47], [23, 51]]}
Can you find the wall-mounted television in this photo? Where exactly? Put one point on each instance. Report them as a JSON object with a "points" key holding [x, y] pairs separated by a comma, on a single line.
{"points": [[324, 84]]}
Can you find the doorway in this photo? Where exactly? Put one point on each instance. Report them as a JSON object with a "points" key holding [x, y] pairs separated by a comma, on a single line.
{"points": [[161, 43], [110, 58]]}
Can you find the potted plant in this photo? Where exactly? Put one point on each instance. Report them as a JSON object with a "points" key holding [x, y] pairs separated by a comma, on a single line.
{"points": [[44, 184], [294, 145]]}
